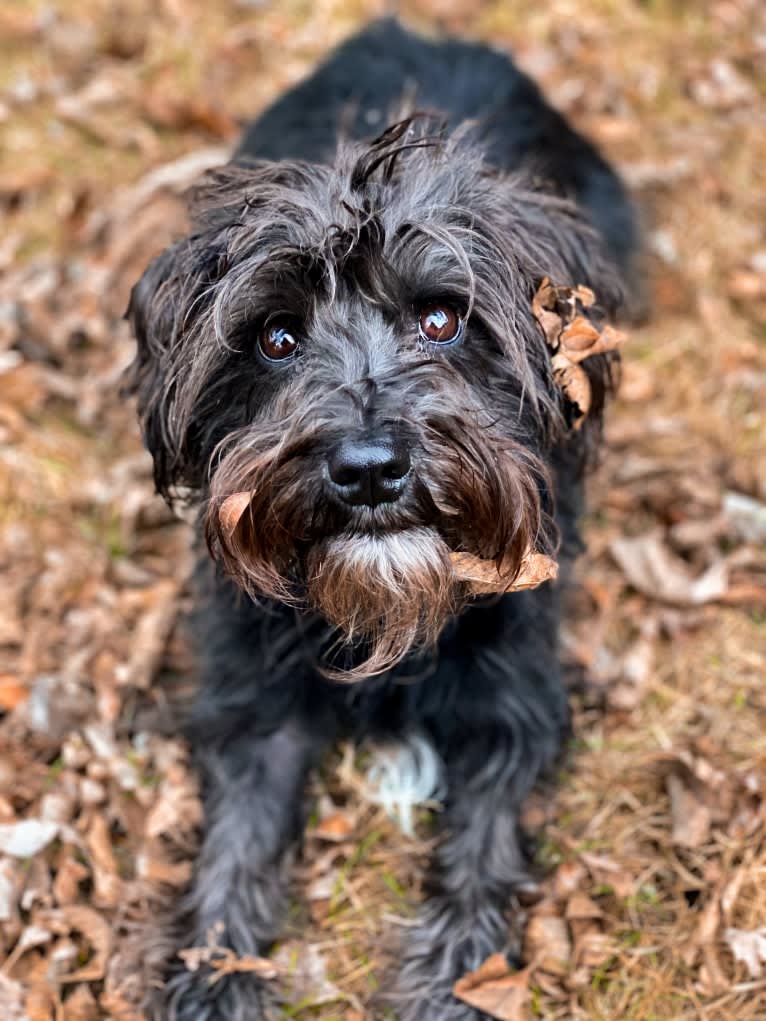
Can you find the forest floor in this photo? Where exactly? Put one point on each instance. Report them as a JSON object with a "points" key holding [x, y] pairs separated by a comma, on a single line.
{"points": [[653, 846]]}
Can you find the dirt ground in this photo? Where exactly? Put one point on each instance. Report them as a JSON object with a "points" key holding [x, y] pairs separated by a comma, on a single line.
{"points": [[653, 845]]}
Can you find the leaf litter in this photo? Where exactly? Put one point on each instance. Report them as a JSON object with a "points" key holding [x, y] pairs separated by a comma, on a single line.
{"points": [[652, 849]]}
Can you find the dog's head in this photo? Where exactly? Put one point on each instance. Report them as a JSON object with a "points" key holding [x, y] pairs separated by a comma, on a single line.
{"points": [[354, 344]]}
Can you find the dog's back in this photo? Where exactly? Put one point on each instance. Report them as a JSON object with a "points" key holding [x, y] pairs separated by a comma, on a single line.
{"points": [[370, 78]]}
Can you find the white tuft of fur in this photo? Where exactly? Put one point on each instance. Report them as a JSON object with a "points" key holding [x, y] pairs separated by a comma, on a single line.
{"points": [[404, 775]]}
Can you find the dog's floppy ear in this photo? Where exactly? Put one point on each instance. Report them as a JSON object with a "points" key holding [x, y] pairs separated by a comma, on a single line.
{"points": [[169, 311], [158, 309]]}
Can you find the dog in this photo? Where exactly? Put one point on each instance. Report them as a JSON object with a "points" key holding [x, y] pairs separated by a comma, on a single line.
{"points": [[347, 337]]}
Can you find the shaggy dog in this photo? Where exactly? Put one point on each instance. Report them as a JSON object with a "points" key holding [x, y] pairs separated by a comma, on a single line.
{"points": [[347, 336]]}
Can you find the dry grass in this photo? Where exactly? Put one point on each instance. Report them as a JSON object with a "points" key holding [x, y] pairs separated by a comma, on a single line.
{"points": [[86, 554]]}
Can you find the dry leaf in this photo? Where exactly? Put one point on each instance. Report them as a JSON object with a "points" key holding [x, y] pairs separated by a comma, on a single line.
{"points": [[108, 886], [159, 870], [27, 837], [335, 827], [652, 569], [574, 382], [495, 989], [567, 878], [12, 692], [579, 336], [691, 817], [247, 963], [594, 949], [66, 885], [231, 511], [748, 946], [581, 906], [484, 577], [572, 337], [548, 943], [97, 932], [224, 961]]}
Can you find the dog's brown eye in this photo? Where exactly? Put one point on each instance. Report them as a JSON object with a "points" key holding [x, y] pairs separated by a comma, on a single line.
{"points": [[277, 342], [440, 324]]}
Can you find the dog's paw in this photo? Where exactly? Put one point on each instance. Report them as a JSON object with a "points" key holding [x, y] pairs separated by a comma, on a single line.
{"points": [[191, 996], [441, 950]]}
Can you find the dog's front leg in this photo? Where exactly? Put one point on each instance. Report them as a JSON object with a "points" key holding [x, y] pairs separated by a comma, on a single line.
{"points": [[252, 791], [490, 765]]}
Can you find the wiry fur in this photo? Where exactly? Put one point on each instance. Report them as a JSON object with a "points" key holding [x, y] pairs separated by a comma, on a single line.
{"points": [[350, 239]]}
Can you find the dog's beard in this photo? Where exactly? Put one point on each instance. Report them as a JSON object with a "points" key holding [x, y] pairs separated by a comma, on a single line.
{"points": [[384, 580], [392, 591]]}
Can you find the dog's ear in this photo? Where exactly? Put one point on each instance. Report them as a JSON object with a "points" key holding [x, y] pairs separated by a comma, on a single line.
{"points": [[158, 312], [170, 309]]}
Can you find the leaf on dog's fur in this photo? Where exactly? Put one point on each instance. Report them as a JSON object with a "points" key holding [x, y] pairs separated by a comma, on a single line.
{"points": [[573, 338], [574, 383], [496, 990], [579, 335], [231, 511], [484, 577]]}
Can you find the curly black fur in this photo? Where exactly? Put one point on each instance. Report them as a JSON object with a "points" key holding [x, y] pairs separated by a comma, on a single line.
{"points": [[348, 239]]}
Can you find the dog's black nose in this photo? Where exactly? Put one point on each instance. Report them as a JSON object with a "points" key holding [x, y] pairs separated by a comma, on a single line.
{"points": [[369, 471]]}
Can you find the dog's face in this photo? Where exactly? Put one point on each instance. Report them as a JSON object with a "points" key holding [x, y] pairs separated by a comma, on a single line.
{"points": [[354, 345]]}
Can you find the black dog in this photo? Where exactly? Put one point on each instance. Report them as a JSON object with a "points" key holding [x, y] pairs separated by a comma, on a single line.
{"points": [[348, 336]]}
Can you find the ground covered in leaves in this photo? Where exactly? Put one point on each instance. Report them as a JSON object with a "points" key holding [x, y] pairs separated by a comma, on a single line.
{"points": [[653, 848]]}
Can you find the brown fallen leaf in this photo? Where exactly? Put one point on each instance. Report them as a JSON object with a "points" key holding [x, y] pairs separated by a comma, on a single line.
{"points": [[97, 932], [230, 965], [567, 878], [747, 285], [335, 827], [495, 989], [548, 942], [691, 817], [652, 569], [107, 884], [581, 906], [483, 576], [12, 692]]}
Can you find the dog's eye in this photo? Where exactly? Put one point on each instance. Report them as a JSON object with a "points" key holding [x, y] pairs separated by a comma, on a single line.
{"points": [[440, 324], [277, 342]]}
